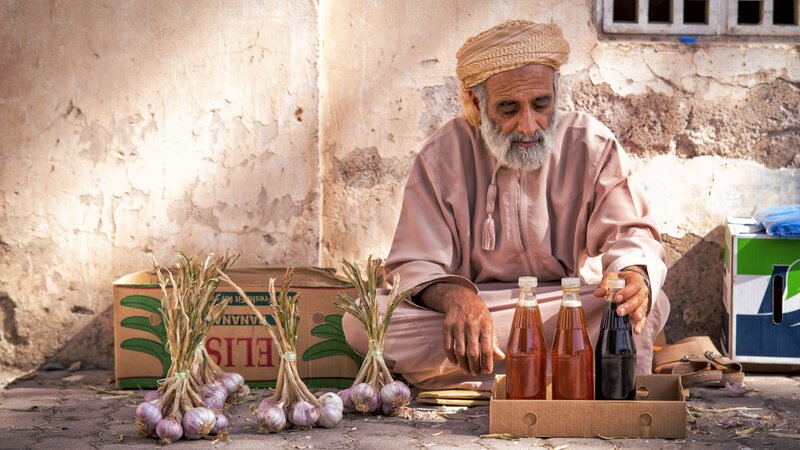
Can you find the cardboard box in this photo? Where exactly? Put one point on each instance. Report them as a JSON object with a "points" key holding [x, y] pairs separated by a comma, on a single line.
{"points": [[237, 342], [661, 413], [761, 295]]}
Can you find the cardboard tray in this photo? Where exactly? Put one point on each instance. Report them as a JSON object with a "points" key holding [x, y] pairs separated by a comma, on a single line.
{"points": [[661, 413]]}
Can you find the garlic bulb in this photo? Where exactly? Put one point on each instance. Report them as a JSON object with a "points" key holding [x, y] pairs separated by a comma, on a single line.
{"points": [[214, 402], [198, 422], [271, 417], [149, 396], [303, 414], [217, 390], [391, 411], [376, 404], [396, 394], [220, 425], [365, 398], [330, 415], [347, 403], [169, 430], [264, 405], [233, 382], [330, 410], [148, 414], [330, 397]]}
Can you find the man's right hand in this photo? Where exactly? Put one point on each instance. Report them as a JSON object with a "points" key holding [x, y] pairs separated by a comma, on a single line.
{"points": [[468, 333]]}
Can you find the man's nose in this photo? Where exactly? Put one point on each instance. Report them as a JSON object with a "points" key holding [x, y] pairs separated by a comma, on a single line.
{"points": [[527, 123]]}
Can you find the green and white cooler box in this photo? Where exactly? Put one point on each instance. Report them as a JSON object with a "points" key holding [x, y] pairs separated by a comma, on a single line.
{"points": [[761, 294]]}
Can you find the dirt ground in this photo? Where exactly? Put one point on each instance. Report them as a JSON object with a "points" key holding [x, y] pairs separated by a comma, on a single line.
{"points": [[82, 409]]}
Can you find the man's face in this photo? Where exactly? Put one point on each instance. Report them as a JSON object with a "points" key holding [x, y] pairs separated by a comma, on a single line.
{"points": [[518, 120]]}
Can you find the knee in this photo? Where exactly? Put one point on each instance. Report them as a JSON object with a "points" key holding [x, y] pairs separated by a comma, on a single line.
{"points": [[354, 333]]}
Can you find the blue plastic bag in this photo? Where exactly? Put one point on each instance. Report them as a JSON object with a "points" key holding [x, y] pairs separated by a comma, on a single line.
{"points": [[780, 221]]}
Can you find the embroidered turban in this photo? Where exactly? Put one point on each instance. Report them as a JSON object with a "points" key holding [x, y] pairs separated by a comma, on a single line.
{"points": [[507, 46]]}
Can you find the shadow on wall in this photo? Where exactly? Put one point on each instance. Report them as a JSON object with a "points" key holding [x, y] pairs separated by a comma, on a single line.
{"points": [[694, 284], [10, 334], [93, 345]]}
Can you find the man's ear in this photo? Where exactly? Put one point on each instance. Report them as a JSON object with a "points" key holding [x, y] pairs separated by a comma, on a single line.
{"points": [[474, 99]]}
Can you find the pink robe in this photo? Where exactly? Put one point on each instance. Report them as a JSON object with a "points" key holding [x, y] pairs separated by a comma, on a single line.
{"points": [[578, 215]]}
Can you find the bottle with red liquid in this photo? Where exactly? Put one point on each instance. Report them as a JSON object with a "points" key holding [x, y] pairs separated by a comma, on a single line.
{"points": [[526, 363], [615, 355], [572, 356]]}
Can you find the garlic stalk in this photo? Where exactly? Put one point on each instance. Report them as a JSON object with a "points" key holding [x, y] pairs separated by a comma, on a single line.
{"points": [[291, 400], [367, 394]]}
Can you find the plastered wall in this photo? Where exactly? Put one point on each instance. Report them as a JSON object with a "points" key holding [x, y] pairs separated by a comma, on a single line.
{"points": [[284, 131], [132, 129]]}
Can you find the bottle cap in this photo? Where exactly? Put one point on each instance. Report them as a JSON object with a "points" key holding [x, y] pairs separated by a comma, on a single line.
{"points": [[571, 283], [528, 282], [615, 283]]}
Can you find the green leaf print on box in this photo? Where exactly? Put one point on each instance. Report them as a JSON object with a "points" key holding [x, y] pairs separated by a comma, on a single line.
{"points": [[335, 343], [156, 349]]}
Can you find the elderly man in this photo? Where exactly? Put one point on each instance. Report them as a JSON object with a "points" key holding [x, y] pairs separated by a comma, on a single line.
{"points": [[514, 188]]}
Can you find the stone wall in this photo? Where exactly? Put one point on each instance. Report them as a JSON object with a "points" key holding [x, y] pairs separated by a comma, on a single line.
{"points": [[285, 131]]}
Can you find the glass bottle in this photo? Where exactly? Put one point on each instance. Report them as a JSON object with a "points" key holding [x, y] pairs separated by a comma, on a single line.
{"points": [[572, 356], [615, 355], [526, 364]]}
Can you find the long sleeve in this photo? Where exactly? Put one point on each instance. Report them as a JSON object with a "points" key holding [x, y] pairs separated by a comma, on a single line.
{"points": [[432, 239], [621, 226]]}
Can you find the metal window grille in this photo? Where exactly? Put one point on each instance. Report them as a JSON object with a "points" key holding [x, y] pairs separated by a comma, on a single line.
{"points": [[702, 17]]}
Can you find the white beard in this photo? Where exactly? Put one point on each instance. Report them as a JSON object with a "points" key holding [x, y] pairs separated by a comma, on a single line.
{"points": [[513, 156]]}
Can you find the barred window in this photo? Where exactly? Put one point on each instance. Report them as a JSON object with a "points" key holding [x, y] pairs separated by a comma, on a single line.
{"points": [[702, 17]]}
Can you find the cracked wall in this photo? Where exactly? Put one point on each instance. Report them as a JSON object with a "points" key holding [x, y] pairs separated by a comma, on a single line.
{"points": [[134, 129]]}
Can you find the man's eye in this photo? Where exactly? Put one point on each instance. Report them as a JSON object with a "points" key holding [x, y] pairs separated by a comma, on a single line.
{"points": [[507, 109]]}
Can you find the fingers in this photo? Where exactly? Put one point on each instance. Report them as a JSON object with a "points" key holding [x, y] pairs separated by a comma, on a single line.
{"points": [[471, 344], [632, 296], [601, 288], [447, 339], [498, 353], [473, 336], [461, 348], [469, 337], [640, 313], [487, 348]]}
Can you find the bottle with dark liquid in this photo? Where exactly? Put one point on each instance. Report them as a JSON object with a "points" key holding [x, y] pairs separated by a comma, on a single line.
{"points": [[526, 363], [572, 356], [615, 355]]}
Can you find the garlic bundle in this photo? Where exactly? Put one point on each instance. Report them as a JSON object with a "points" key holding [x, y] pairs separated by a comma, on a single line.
{"points": [[373, 390], [211, 374], [187, 404], [291, 402]]}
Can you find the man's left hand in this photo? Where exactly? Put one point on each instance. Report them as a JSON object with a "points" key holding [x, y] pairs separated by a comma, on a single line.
{"points": [[633, 298]]}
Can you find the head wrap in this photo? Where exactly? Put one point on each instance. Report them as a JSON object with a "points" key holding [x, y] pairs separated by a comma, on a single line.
{"points": [[507, 46]]}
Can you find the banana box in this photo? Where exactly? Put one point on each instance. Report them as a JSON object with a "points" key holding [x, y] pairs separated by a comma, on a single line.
{"points": [[237, 341]]}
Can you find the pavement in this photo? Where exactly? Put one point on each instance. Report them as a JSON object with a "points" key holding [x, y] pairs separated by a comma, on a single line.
{"points": [[83, 409]]}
